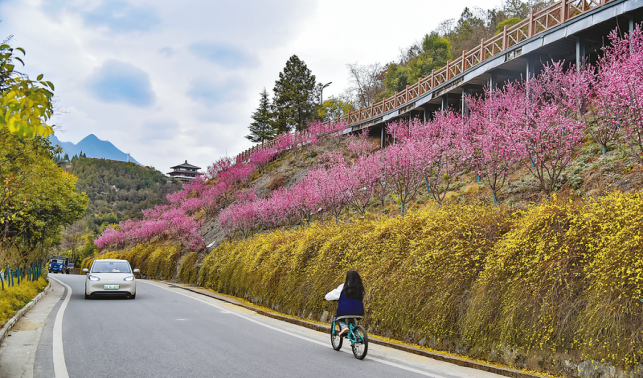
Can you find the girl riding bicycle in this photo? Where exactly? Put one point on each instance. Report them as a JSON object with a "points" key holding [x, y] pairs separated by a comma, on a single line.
{"points": [[350, 295]]}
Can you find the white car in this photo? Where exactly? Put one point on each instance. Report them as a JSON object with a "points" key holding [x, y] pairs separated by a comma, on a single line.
{"points": [[110, 277]]}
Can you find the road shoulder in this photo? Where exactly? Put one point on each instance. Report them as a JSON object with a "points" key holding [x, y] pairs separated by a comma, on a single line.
{"points": [[18, 350]]}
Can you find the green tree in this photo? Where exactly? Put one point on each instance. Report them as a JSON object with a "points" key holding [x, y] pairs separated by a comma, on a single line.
{"points": [[508, 22], [295, 97], [41, 198], [26, 104], [470, 28], [433, 53], [517, 8], [333, 108], [262, 128], [436, 50]]}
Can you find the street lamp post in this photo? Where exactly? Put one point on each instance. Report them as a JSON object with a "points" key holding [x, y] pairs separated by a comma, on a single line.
{"points": [[321, 94]]}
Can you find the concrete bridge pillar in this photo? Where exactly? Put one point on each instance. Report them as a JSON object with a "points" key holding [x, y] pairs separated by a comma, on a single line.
{"points": [[493, 81], [631, 29], [465, 93], [445, 102], [580, 54], [530, 69]]}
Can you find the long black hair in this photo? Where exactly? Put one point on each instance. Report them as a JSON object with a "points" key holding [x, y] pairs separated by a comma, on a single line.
{"points": [[353, 287]]}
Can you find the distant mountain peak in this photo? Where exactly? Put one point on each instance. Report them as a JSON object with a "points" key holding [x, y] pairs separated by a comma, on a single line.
{"points": [[93, 147]]}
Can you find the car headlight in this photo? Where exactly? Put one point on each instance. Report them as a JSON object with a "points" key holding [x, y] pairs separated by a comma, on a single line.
{"points": [[93, 278], [128, 278]]}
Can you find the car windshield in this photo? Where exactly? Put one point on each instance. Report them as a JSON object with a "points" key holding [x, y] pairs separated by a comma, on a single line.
{"points": [[111, 267]]}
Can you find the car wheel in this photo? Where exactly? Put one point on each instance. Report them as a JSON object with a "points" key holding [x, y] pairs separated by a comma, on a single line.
{"points": [[133, 296]]}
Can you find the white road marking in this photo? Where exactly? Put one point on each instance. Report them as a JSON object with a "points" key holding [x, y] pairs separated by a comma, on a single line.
{"points": [[60, 367], [407, 368]]}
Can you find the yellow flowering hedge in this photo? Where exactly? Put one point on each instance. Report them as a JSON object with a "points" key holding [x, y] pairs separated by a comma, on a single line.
{"points": [[158, 261], [418, 269], [13, 298], [567, 277], [189, 270]]}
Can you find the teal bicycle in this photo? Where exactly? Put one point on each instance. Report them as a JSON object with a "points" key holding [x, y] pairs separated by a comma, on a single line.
{"points": [[356, 335]]}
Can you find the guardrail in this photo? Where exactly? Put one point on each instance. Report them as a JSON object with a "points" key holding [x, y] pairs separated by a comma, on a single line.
{"points": [[538, 22]]}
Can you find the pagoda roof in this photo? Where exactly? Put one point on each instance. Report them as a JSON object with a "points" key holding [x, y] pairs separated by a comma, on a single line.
{"points": [[186, 165]]}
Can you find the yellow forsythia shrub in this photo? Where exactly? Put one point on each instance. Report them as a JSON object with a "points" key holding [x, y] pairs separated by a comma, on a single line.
{"points": [[531, 281], [611, 325], [560, 276], [417, 269], [189, 270], [156, 261], [13, 298]]}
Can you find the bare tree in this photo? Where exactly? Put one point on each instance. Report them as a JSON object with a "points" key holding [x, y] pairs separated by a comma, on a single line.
{"points": [[446, 27], [72, 239], [366, 82]]}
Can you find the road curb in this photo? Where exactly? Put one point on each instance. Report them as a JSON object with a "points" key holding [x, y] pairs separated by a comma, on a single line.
{"points": [[7, 327], [402, 347]]}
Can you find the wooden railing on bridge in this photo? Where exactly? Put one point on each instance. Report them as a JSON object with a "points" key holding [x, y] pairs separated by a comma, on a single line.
{"points": [[538, 22]]}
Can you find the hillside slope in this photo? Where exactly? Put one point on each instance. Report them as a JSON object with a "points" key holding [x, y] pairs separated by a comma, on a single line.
{"points": [[117, 191]]}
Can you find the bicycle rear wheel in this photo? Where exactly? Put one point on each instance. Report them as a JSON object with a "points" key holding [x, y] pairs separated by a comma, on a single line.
{"points": [[360, 346], [336, 340]]}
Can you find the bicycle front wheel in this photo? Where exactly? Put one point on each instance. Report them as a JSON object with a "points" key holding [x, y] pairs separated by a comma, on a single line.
{"points": [[335, 339], [360, 346]]}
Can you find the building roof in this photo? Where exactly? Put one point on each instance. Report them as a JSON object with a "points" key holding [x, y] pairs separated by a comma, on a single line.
{"points": [[186, 165]]}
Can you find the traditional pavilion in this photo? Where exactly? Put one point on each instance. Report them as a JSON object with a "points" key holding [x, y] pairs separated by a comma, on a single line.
{"points": [[184, 172]]}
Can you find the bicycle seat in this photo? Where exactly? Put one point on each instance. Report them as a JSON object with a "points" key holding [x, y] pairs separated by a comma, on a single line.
{"points": [[356, 317]]}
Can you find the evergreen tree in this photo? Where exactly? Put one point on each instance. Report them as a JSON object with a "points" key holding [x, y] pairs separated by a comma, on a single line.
{"points": [[262, 128], [294, 103]]}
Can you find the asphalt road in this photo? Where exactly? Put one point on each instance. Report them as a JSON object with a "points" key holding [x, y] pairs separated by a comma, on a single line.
{"points": [[170, 332]]}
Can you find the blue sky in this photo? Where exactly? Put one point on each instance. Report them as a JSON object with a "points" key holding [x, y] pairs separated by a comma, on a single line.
{"points": [[176, 80]]}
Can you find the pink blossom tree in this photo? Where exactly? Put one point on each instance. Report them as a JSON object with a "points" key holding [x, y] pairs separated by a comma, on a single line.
{"points": [[444, 151], [493, 135], [359, 144], [331, 183], [403, 166], [363, 182], [547, 131], [620, 89]]}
